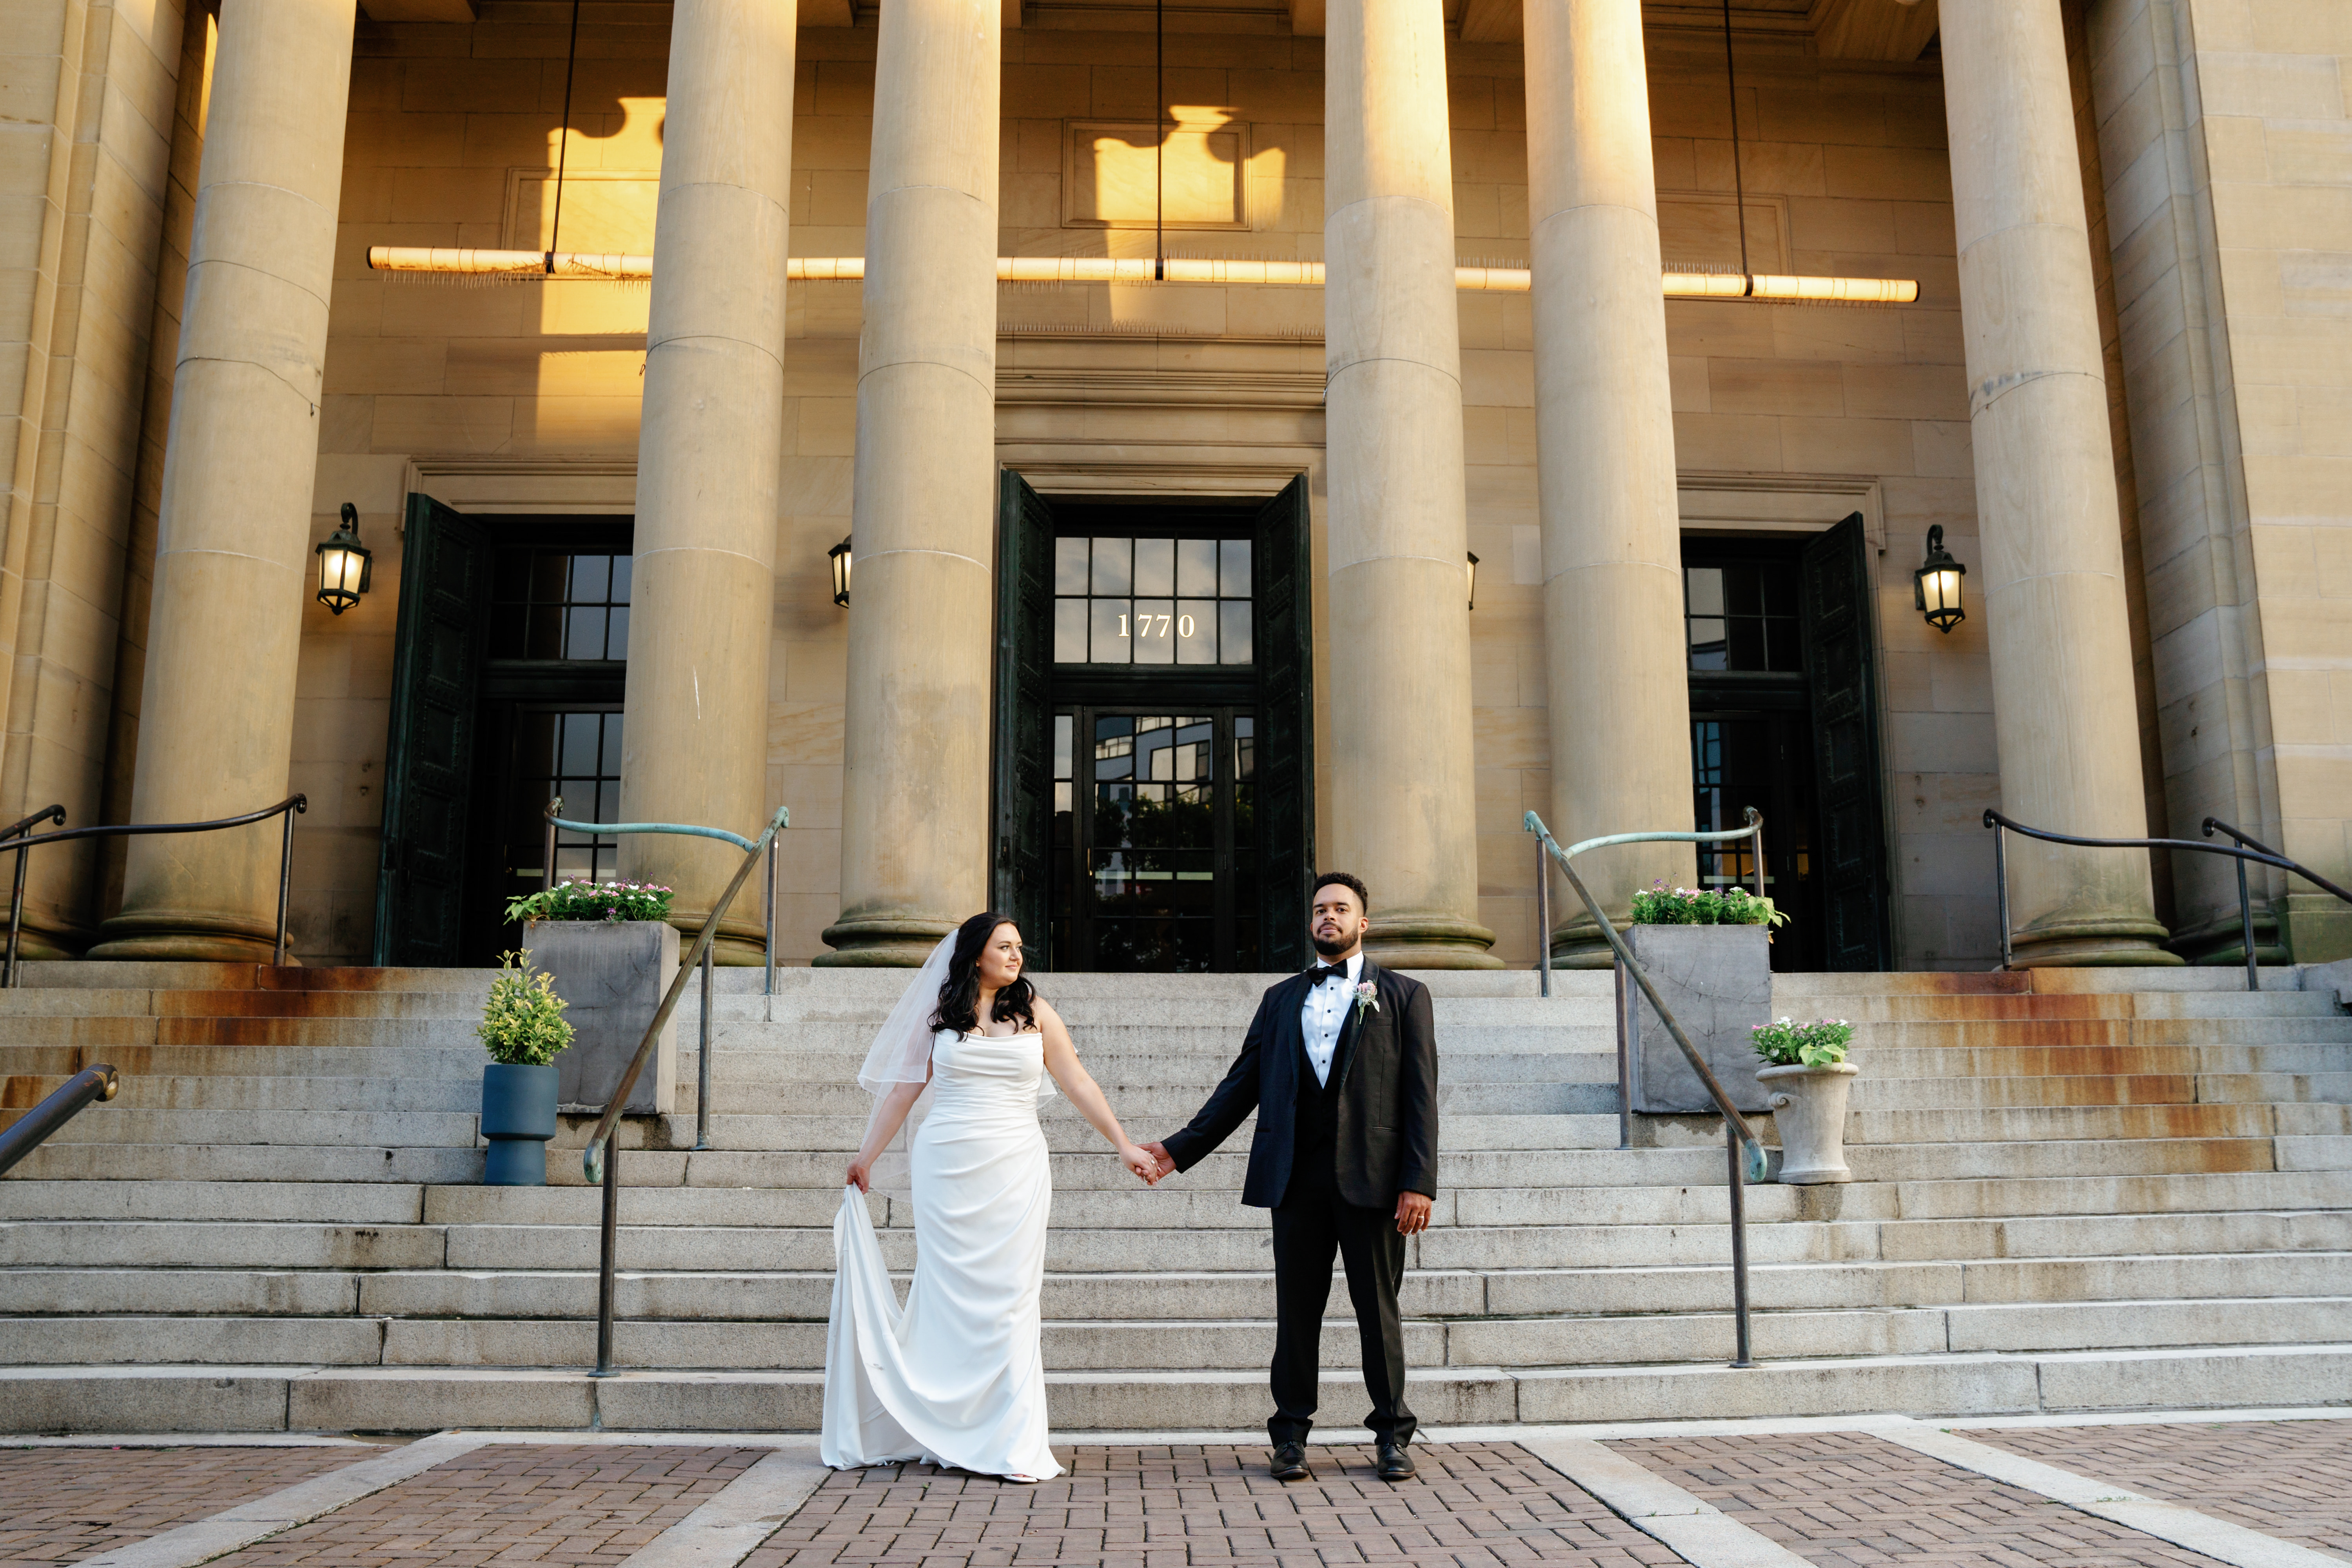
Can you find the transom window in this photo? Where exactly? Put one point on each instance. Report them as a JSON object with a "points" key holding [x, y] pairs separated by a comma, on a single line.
{"points": [[1151, 601], [1742, 615], [550, 604]]}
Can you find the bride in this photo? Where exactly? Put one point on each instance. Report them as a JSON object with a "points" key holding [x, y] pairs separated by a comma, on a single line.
{"points": [[957, 1377]]}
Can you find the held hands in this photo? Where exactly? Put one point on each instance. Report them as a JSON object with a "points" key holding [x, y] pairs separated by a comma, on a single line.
{"points": [[1139, 1160], [1413, 1213], [1163, 1163]]}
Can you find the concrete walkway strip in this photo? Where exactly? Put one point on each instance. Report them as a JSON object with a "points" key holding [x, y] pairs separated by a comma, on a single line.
{"points": [[239, 1527], [1696, 1532], [2181, 1525], [742, 1514]]}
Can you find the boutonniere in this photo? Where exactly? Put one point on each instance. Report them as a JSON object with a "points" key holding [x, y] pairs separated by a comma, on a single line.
{"points": [[1367, 999]]}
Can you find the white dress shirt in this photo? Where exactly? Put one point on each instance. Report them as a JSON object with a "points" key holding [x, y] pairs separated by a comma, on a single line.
{"points": [[1324, 1012]]}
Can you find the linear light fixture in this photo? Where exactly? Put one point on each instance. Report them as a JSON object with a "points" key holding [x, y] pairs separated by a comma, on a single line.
{"points": [[524, 264]]}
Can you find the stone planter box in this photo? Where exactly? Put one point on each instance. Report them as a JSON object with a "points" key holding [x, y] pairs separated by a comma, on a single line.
{"points": [[518, 1118], [613, 975], [1719, 981], [1809, 1108]]}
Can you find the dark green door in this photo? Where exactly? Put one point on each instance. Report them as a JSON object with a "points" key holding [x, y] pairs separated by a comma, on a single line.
{"points": [[445, 593], [1834, 579]]}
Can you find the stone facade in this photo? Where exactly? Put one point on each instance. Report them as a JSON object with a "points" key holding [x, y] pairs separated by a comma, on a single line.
{"points": [[2211, 192]]}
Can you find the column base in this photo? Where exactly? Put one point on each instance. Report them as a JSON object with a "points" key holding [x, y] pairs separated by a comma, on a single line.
{"points": [[742, 944], [882, 943], [185, 938], [2094, 944], [1430, 941], [1583, 946]]}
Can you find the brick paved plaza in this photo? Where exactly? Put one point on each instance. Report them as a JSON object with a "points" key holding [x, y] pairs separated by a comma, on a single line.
{"points": [[1833, 1499]]}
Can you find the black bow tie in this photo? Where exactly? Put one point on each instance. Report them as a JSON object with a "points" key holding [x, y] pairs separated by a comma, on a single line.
{"points": [[1323, 971]]}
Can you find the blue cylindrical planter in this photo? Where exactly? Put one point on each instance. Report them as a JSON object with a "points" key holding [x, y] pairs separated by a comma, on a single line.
{"points": [[518, 1118]]}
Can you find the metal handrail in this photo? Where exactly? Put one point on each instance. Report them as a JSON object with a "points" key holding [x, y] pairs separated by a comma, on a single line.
{"points": [[292, 806], [96, 1081], [2245, 849], [1736, 1133], [768, 904], [601, 1160]]}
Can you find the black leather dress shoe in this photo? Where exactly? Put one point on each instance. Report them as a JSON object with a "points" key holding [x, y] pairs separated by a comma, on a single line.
{"points": [[1290, 1462], [1395, 1465]]}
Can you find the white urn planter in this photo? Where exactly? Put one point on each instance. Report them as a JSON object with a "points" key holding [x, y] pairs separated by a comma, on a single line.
{"points": [[1809, 1108]]}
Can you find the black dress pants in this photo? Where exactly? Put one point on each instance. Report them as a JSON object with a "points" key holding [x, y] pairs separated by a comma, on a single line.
{"points": [[1312, 1223]]}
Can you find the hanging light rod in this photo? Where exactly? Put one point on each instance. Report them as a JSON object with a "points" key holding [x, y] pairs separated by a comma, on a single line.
{"points": [[470, 262]]}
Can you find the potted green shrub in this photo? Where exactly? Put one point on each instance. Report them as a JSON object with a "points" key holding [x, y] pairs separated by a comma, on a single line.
{"points": [[1807, 1081], [523, 1028], [1708, 953], [613, 952]]}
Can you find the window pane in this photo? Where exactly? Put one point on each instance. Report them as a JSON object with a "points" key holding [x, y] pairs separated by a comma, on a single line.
{"points": [[583, 634], [590, 576], [1111, 569], [1234, 632], [1779, 590], [621, 581], [1196, 568], [581, 745], [547, 575], [506, 635], [1155, 629], [546, 638], [1782, 649], [1707, 644], [616, 635], [612, 758], [1155, 567], [1111, 642], [1069, 566], [1745, 637], [1070, 630], [1743, 593], [1705, 586], [511, 585], [1233, 568], [1245, 749], [1196, 631], [1062, 722]]}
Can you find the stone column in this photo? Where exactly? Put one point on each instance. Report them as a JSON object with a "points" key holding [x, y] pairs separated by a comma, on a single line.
{"points": [[1620, 759], [232, 561], [2063, 714], [1403, 799], [914, 850], [709, 454]]}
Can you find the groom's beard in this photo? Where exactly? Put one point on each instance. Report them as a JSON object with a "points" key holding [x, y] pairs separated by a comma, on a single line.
{"points": [[1330, 947]]}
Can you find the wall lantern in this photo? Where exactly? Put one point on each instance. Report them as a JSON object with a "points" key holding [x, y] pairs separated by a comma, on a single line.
{"points": [[840, 557], [1936, 586], [1473, 581], [344, 564]]}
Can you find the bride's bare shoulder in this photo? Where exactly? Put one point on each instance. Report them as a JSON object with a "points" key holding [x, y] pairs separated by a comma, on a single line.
{"points": [[1043, 1010]]}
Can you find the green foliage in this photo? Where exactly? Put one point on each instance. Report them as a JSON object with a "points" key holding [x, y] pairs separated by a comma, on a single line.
{"points": [[523, 1024], [1733, 905], [594, 902], [1818, 1045]]}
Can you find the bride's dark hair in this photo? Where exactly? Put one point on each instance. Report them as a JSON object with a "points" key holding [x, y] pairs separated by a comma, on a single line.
{"points": [[958, 1008]]}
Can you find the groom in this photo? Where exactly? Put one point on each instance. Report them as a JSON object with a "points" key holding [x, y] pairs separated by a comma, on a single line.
{"points": [[1341, 1064]]}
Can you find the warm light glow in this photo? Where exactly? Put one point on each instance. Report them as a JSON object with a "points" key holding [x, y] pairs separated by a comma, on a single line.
{"points": [[840, 556], [1935, 585], [524, 264], [344, 564]]}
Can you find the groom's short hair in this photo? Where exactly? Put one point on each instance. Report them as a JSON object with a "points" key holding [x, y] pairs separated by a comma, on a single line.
{"points": [[1343, 879]]}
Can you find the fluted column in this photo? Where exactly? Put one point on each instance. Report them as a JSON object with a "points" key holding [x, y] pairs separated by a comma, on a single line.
{"points": [[2063, 714], [1606, 460], [914, 852], [1402, 790], [232, 554], [709, 450]]}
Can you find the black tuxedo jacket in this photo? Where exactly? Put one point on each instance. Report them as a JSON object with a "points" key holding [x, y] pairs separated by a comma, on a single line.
{"points": [[1386, 1064]]}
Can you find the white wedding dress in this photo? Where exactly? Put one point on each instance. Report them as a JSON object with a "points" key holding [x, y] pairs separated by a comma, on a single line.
{"points": [[958, 1376]]}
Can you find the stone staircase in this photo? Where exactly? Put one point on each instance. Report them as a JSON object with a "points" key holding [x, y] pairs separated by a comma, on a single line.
{"points": [[2075, 1191]]}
